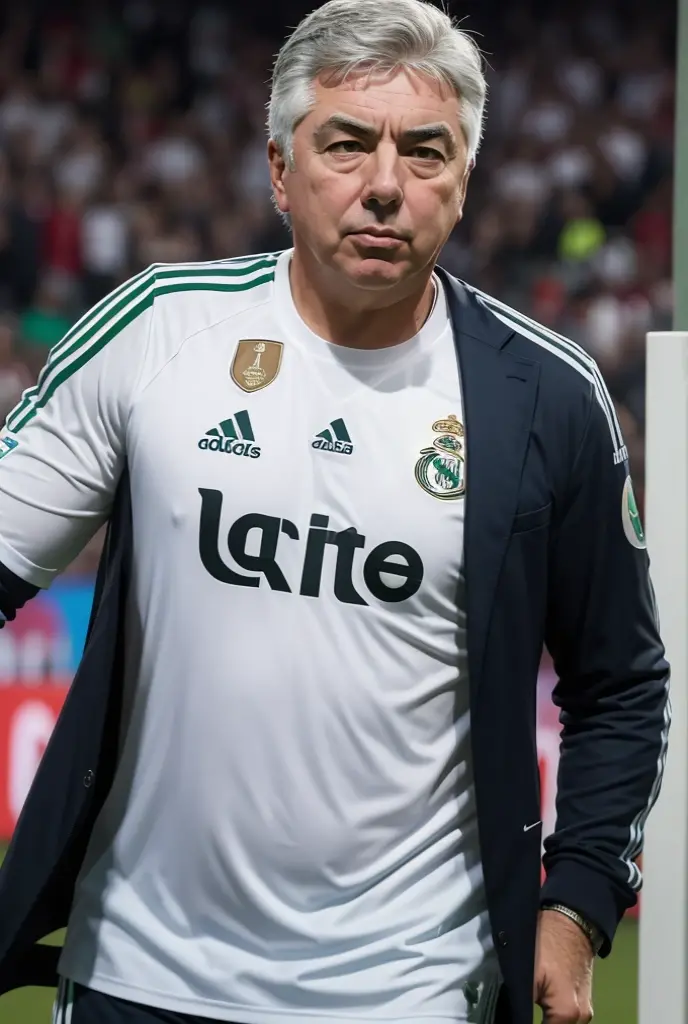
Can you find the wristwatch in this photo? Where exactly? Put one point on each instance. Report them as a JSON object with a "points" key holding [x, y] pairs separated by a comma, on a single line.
{"points": [[593, 934]]}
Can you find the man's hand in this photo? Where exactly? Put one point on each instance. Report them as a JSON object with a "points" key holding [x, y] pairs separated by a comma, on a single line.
{"points": [[563, 970]]}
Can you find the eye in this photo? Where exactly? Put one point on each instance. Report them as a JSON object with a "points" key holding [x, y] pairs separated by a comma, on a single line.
{"points": [[426, 153], [346, 146]]}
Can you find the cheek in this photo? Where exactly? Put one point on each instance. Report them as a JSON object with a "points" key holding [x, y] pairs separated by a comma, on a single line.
{"points": [[433, 206], [336, 194]]}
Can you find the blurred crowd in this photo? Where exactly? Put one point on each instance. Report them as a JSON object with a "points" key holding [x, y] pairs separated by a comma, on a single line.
{"points": [[134, 132]]}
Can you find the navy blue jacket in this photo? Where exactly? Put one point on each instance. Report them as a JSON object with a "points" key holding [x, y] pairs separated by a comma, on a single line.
{"points": [[554, 554]]}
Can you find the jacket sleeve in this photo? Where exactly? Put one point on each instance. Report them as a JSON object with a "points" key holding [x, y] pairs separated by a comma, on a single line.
{"points": [[613, 689], [14, 593]]}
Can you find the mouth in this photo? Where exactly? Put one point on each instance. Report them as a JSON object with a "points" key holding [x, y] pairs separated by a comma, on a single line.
{"points": [[370, 238]]}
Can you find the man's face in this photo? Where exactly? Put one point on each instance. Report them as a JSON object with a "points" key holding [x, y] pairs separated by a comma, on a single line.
{"points": [[377, 153]]}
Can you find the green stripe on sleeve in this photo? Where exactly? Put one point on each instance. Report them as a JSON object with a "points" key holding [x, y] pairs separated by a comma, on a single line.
{"points": [[130, 306]]}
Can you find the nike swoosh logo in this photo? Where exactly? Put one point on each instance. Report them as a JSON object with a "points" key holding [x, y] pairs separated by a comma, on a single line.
{"points": [[527, 828]]}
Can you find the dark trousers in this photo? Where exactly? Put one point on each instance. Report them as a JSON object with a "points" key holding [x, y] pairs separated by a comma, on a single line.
{"points": [[77, 1005]]}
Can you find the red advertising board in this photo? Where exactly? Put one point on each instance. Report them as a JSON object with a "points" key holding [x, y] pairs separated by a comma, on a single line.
{"points": [[27, 717]]}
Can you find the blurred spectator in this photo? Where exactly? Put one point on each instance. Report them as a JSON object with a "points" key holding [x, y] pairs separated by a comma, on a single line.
{"points": [[548, 300], [581, 79], [62, 234], [624, 149], [15, 376], [104, 245], [523, 176], [46, 320], [549, 118], [79, 167], [582, 233], [650, 229], [27, 212], [173, 157]]}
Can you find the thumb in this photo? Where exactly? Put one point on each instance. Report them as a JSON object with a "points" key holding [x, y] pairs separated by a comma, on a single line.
{"points": [[545, 998], [540, 985]]}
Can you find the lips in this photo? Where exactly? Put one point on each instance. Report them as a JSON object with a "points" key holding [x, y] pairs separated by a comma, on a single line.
{"points": [[370, 240], [373, 233]]}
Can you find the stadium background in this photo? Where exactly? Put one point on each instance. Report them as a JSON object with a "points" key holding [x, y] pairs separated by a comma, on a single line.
{"points": [[133, 133]]}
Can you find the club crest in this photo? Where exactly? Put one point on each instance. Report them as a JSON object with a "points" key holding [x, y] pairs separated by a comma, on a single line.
{"points": [[441, 469]]}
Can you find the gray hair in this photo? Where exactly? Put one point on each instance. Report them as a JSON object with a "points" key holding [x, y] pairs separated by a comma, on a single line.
{"points": [[344, 36]]}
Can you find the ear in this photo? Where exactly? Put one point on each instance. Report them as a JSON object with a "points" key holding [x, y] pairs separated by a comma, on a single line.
{"points": [[278, 170]]}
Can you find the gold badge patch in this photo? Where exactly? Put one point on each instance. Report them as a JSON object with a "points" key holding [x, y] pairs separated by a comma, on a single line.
{"points": [[256, 363], [441, 470]]}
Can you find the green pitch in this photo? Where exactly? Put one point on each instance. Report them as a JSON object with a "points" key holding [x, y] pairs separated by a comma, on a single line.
{"points": [[615, 988]]}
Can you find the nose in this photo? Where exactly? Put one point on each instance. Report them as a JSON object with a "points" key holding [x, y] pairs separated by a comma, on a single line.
{"points": [[383, 192]]}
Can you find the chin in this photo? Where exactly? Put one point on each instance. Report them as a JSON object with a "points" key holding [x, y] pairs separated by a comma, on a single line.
{"points": [[374, 272]]}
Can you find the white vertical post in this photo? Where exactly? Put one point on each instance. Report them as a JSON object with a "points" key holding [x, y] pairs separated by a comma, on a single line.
{"points": [[663, 969]]}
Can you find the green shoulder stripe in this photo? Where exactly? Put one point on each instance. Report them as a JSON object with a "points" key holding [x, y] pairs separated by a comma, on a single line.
{"points": [[129, 288], [119, 310]]}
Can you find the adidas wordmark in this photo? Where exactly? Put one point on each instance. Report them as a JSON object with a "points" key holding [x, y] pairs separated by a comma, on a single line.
{"points": [[234, 436], [334, 438]]}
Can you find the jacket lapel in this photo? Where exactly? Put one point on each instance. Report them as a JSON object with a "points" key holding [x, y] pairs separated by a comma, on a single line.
{"points": [[499, 393]]}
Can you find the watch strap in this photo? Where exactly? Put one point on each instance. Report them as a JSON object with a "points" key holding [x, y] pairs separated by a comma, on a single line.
{"points": [[594, 936]]}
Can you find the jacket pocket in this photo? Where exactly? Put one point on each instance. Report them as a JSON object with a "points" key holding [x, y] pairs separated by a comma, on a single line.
{"points": [[535, 520]]}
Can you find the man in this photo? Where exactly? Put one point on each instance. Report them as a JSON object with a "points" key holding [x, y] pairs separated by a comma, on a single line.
{"points": [[296, 774]]}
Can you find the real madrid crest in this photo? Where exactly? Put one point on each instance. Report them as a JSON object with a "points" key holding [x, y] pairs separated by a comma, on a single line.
{"points": [[256, 363], [441, 470]]}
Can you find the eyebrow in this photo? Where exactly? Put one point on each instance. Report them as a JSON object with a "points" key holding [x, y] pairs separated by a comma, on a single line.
{"points": [[424, 133]]}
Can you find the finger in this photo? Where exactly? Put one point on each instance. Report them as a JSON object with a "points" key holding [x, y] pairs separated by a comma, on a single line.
{"points": [[585, 1011], [564, 1013]]}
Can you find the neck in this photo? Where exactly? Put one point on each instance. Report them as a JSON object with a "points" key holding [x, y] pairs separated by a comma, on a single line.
{"points": [[351, 316]]}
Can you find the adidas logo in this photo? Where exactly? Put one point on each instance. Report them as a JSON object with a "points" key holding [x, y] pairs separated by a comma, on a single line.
{"points": [[340, 442], [233, 436]]}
